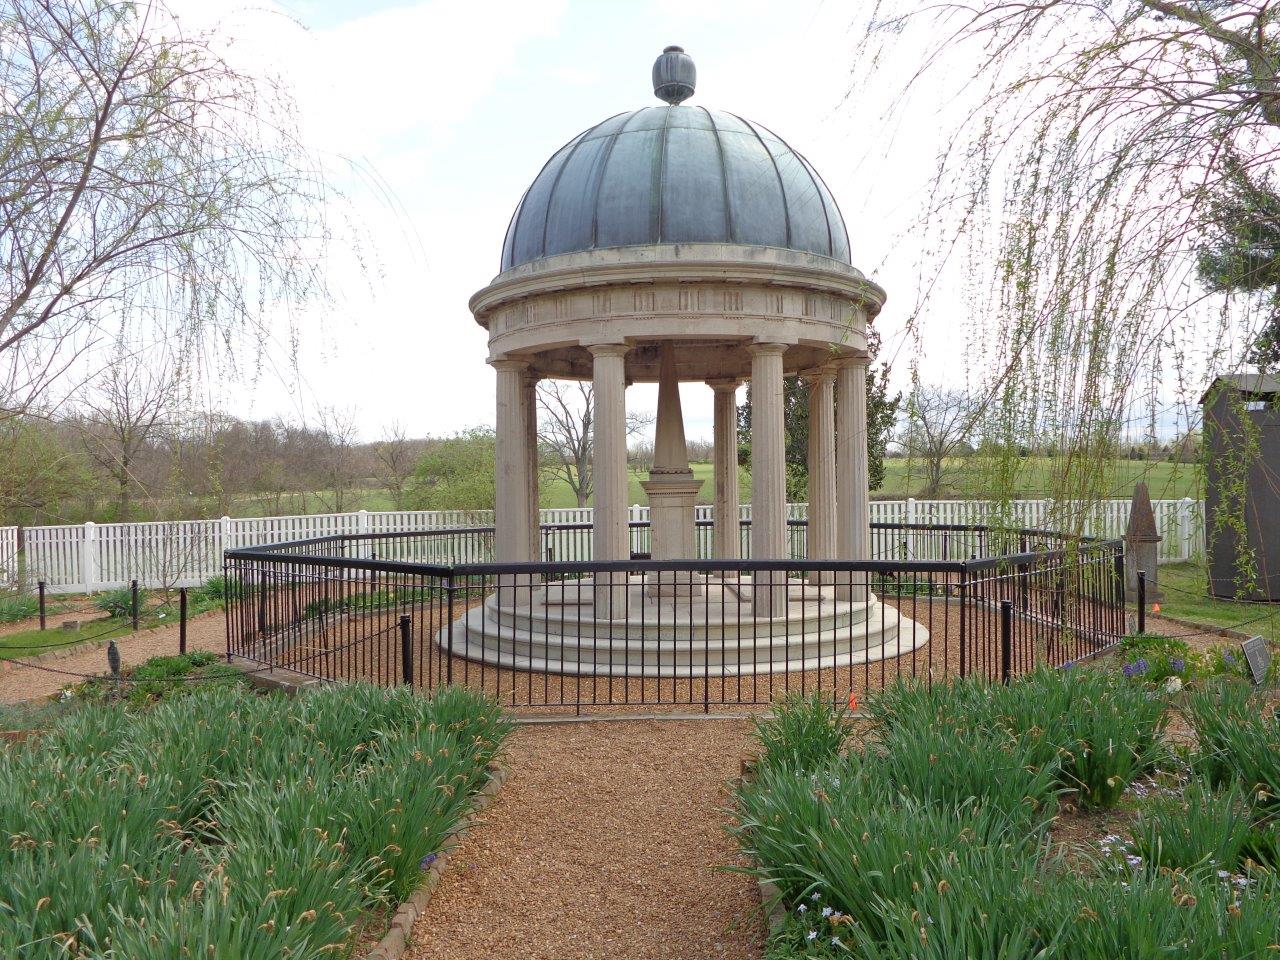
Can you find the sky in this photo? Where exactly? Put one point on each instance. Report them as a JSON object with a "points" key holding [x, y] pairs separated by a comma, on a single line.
{"points": [[435, 116]]}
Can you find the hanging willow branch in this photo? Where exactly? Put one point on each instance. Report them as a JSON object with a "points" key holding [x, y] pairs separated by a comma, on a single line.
{"points": [[1074, 196], [143, 180]]}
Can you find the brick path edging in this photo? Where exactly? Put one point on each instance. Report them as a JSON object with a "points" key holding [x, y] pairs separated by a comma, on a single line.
{"points": [[393, 945]]}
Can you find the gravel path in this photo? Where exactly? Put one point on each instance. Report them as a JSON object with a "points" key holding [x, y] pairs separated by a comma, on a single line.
{"points": [[607, 840], [19, 683]]}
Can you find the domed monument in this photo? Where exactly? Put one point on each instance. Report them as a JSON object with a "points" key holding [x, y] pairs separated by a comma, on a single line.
{"points": [[679, 243]]}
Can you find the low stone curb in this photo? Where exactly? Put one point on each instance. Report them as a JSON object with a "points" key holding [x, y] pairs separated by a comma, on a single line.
{"points": [[393, 945]]}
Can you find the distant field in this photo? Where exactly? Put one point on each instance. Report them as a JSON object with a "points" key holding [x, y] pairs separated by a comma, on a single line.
{"points": [[903, 478]]}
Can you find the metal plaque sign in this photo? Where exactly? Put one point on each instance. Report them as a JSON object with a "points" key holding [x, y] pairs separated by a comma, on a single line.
{"points": [[1257, 653]]}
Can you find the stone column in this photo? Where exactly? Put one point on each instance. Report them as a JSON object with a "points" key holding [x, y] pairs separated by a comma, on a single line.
{"points": [[727, 542], [852, 490], [609, 473], [531, 441], [768, 474], [822, 468], [511, 507]]}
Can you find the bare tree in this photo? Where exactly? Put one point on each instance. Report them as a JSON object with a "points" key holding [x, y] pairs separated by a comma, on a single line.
{"points": [[336, 438], [939, 426], [564, 431], [131, 402], [137, 169], [395, 459]]}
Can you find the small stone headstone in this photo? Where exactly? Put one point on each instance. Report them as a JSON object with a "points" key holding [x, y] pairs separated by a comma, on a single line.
{"points": [[70, 625], [1257, 654]]}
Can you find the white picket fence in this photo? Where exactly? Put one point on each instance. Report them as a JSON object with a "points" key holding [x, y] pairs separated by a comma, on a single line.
{"points": [[84, 558]]}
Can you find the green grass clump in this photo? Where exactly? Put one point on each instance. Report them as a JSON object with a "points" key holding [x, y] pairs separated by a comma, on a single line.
{"points": [[18, 606], [119, 602], [1093, 730], [930, 840], [1198, 827], [804, 733], [225, 824], [1236, 741]]}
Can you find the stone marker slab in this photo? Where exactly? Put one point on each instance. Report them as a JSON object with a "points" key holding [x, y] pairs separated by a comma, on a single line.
{"points": [[1257, 653]]}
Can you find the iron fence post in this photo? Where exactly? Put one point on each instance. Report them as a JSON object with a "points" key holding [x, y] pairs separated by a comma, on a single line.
{"points": [[1006, 641], [1142, 601], [133, 594], [406, 649], [448, 661], [964, 617], [40, 591], [182, 620]]}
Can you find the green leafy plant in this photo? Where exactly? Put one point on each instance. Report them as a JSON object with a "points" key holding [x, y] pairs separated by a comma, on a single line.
{"points": [[119, 602], [229, 824], [1236, 741], [804, 732], [1195, 827], [18, 606]]}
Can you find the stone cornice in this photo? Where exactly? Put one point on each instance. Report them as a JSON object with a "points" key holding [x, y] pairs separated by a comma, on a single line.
{"points": [[685, 263]]}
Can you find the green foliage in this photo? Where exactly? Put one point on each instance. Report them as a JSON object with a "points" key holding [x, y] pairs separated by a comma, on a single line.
{"points": [[928, 844], [1235, 740], [455, 474], [18, 606], [803, 733], [197, 828], [1196, 827], [162, 678], [1242, 252], [119, 602], [1096, 731]]}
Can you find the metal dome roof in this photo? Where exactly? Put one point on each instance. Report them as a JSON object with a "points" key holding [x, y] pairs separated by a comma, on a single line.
{"points": [[675, 174]]}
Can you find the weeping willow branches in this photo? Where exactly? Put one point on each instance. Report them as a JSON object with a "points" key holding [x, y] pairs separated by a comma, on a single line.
{"points": [[1074, 193], [144, 182]]}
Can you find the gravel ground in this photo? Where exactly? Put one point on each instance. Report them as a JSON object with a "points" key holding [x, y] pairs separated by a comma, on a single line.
{"points": [[607, 840], [19, 683]]}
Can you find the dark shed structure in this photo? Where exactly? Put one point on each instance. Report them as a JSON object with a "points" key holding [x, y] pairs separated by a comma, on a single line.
{"points": [[1242, 485]]}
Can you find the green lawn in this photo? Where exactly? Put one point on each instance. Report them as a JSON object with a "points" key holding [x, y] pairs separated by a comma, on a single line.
{"points": [[903, 478], [29, 643], [1185, 587], [962, 478]]}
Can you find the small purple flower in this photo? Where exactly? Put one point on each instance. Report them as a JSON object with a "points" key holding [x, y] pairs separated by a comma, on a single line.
{"points": [[1178, 664], [426, 862], [1069, 665], [1136, 668], [1229, 658]]}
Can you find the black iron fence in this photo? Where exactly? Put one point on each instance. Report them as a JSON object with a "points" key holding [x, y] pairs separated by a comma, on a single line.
{"points": [[430, 608]]}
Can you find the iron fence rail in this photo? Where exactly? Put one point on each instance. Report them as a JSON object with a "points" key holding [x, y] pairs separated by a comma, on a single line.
{"points": [[416, 608]]}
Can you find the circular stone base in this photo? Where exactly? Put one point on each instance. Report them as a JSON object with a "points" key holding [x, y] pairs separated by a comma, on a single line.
{"points": [[716, 631]]}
